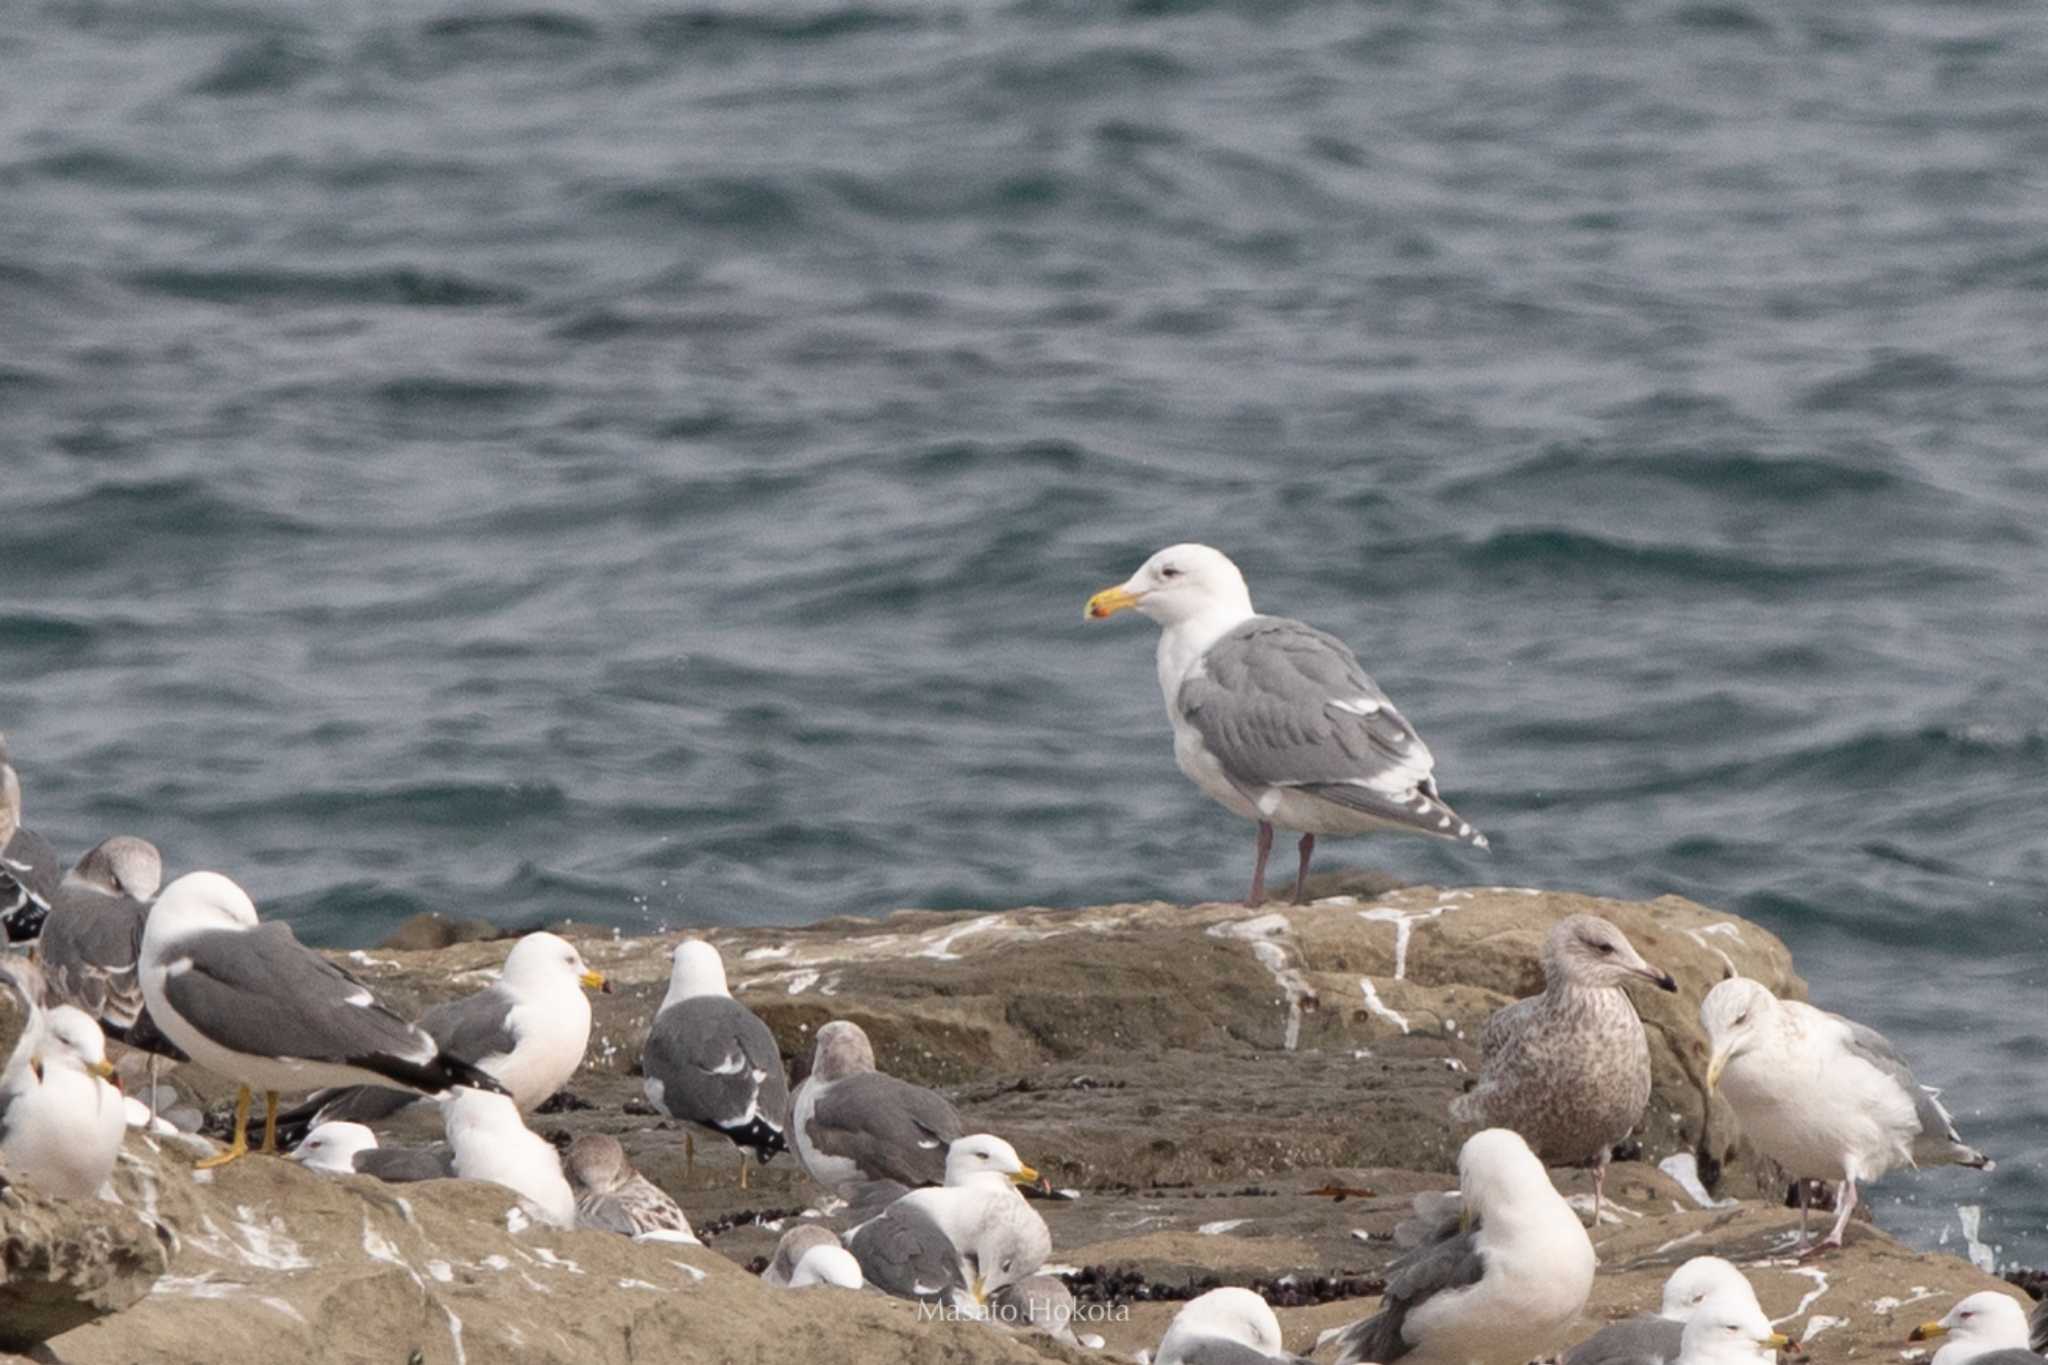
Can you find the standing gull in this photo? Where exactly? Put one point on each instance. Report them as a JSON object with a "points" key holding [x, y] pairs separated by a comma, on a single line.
{"points": [[528, 1030], [1570, 1069], [810, 1255], [1498, 1287], [710, 1061], [249, 1002], [1987, 1328], [851, 1124], [61, 1124], [1223, 1327], [342, 1148], [962, 1241], [1823, 1096], [1275, 719], [491, 1143], [93, 938], [613, 1197], [29, 870], [1656, 1339]]}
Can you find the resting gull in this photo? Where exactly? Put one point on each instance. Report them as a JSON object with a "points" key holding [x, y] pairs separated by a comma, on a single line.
{"points": [[1223, 1327], [1987, 1328], [850, 1123], [93, 937], [29, 870], [249, 1002], [962, 1241], [528, 1030], [1729, 1329], [1656, 1339], [492, 1143], [1037, 1303], [613, 1197], [1570, 1069], [710, 1061], [811, 1255], [342, 1148], [1498, 1287], [1824, 1097], [1275, 719], [61, 1123]]}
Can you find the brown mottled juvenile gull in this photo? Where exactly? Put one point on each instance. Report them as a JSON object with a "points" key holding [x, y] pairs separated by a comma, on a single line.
{"points": [[1226, 1326], [809, 1254], [92, 938], [247, 1001], [61, 1124], [1656, 1339], [1276, 720], [709, 1060], [1499, 1286], [1570, 1069], [343, 1148], [613, 1197], [29, 869], [1036, 1303], [528, 1029], [962, 1241], [1986, 1328], [1823, 1096], [851, 1124]]}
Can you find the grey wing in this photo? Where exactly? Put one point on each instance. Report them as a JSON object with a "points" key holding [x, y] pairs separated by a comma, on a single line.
{"points": [[867, 1198], [1222, 1351], [1873, 1047], [705, 1052], [260, 992], [1638, 1341], [604, 1213], [792, 1247], [1453, 1262], [402, 1164], [2037, 1327], [29, 877], [891, 1129], [641, 1206], [2010, 1355], [474, 1028], [905, 1253], [89, 948], [1281, 704]]}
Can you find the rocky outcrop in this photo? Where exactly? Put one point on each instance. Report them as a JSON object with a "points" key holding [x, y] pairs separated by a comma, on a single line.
{"points": [[1204, 1081]]}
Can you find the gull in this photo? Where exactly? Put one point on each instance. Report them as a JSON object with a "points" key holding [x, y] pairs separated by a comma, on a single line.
{"points": [[1823, 1096], [527, 1030], [851, 1124], [93, 937], [1276, 720], [492, 1143], [709, 1060], [1729, 1330], [1987, 1328], [1498, 1287], [961, 1241], [343, 1148], [61, 1123], [1656, 1339], [1570, 1069], [29, 870], [811, 1255], [249, 1002], [1223, 1327], [613, 1197]]}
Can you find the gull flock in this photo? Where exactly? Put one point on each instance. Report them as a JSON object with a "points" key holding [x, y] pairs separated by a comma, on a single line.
{"points": [[1276, 721]]}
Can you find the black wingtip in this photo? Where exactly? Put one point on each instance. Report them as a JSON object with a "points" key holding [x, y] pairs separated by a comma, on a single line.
{"points": [[1668, 982]]}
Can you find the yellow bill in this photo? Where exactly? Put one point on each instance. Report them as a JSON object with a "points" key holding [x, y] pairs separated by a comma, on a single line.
{"points": [[1109, 602]]}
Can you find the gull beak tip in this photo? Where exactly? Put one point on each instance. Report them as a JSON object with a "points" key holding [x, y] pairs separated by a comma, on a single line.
{"points": [[598, 981], [1927, 1331]]}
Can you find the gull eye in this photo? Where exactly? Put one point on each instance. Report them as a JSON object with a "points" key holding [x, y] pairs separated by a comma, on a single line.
{"points": [[1742, 1018], [1168, 571], [1607, 950]]}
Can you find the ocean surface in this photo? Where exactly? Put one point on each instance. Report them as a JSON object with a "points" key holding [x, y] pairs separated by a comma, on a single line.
{"points": [[645, 462]]}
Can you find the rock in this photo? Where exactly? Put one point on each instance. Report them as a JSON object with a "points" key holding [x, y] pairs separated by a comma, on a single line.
{"points": [[431, 929], [65, 1263], [1193, 1074]]}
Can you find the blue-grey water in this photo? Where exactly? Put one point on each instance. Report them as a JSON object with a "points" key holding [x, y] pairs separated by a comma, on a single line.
{"points": [[644, 462]]}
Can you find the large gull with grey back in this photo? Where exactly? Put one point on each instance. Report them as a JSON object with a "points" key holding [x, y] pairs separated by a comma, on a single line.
{"points": [[1986, 1328], [1276, 720], [247, 1001], [1656, 1339], [1825, 1097], [710, 1061], [343, 1148], [1569, 1069], [851, 1124], [1228, 1326], [29, 869], [528, 1029], [961, 1242]]}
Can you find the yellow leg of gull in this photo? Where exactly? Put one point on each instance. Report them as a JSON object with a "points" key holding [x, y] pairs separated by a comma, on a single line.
{"points": [[743, 1169], [270, 1123], [239, 1148]]}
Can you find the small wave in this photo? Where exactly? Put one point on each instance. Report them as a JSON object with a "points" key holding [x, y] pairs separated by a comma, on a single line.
{"points": [[269, 65], [401, 286], [686, 30], [445, 805], [1890, 379], [99, 524], [1736, 474], [1562, 551]]}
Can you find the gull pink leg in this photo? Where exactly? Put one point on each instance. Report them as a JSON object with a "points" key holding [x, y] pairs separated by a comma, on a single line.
{"points": [[1265, 846], [1308, 847]]}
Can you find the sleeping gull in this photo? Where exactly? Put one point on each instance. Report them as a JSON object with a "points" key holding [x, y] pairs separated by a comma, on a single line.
{"points": [[491, 1143], [61, 1124], [93, 937], [1987, 1328], [342, 1148], [613, 1197], [1223, 1327], [249, 1002], [1498, 1287], [1729, 1329], [1036, 1303], [29, 870], [1275, 719], [1570, 1069], [960, 1242], [1823, 1096], [850, 1123], [528, 1030], [709, 1060], [809, 1255], [1656, 1339]]}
